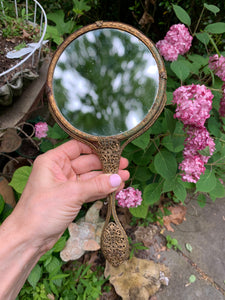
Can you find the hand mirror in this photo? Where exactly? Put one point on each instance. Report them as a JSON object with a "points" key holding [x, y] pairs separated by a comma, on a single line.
{"points": [[106, 86]]}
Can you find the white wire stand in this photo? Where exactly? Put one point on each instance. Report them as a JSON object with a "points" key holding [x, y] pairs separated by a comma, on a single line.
{"points": [[39, 17]]}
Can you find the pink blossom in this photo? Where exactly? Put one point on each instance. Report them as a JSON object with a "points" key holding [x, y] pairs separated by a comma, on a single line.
{"points": [[198, 139], [222, 102], [176, 42], [217, 64], [129, 197], [41, 129], [179, 37], [193, 167], [194, 103], [167, 50]]}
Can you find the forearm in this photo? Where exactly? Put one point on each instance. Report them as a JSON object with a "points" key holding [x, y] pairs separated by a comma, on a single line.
{"points": [[17, 258]]}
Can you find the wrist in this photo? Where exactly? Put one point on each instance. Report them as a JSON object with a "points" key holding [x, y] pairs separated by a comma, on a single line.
{"points": [[18, 256]]}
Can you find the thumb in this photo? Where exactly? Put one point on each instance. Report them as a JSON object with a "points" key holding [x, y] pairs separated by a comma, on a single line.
{"points": [[98, 187]]}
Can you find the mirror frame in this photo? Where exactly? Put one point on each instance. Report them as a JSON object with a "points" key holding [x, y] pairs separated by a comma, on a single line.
{"points": [[154, 111]]}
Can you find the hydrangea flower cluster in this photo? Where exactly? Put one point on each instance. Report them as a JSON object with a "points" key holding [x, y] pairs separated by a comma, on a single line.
{"points": [[177, 41], [194, 103], [217, 64], [41, 129], [129, 197]]}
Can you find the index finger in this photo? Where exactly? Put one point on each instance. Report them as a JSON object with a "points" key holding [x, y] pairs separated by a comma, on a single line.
{"points": [[72, 149]]}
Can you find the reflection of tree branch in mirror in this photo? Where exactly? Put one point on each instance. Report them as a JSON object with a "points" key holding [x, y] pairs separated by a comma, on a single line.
{"points": [[105, 82]]}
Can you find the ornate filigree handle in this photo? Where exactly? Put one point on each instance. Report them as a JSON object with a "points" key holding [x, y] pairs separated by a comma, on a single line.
{"points": [[114, 241]]}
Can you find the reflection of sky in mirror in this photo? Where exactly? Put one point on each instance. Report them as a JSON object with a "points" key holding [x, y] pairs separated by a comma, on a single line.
{"points": [[105, 82]]}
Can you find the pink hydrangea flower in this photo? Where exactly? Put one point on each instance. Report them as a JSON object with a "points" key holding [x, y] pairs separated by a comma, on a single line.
{"points": [[194, 103], [179, 37], [198, 139], [129, 197], [176, 42], [193, 167], [217, 64], [41, 129], [168, 51], [222, 102]]}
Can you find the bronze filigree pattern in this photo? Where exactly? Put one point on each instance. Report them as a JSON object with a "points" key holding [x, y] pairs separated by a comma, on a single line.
{"points": [[114, 242]]}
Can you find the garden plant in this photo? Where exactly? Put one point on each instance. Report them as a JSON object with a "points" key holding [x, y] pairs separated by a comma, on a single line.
{"points": [[182, 154]]}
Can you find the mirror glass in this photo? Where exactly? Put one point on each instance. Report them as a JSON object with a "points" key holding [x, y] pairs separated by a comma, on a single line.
{"points": [[105, 81]]}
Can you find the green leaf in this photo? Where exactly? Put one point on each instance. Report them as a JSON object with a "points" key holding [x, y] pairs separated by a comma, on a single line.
{"points": [[143, 140], [181, 69], [35, 276], [169, 96], [142, 173], [218, 191], [58, 18], [59, 245], [180, 192], [79, 7], [19, 179], [214, 127], [170, 120], [169, 185], [56, 132], [2, 204], [54, 266], [140, 211], [182, 15], [152, 193], [188, 247], [46, 145], [207, 182], [192, 278], [215, 28], [173, 143], [203, 37], [212, 8], [165, 164], [201, 200]]}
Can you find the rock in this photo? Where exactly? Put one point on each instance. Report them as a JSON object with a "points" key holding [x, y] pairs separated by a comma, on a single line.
{"points": [[137, 278], [85, 235]]}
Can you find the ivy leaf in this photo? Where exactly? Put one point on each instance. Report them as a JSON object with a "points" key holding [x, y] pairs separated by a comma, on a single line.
{"points": [[215, 28], [182, 15], [19, 179], [35, 276], [165, 164], [152, 193], [79, 7], [181, 69], [212, 8], [207, 182]]}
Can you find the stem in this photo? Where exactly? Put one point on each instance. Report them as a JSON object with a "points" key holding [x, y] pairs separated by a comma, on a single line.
{"points": [[214, 45], [199, 21]]}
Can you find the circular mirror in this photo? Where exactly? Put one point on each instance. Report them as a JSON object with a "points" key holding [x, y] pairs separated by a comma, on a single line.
{"points": [[106, 80]]}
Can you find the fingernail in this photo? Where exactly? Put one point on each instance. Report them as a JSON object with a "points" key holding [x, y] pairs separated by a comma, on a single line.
{"points": [[115, 180]]}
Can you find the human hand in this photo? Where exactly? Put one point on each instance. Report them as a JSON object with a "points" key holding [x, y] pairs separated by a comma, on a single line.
{"points": [[60, 182]]}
